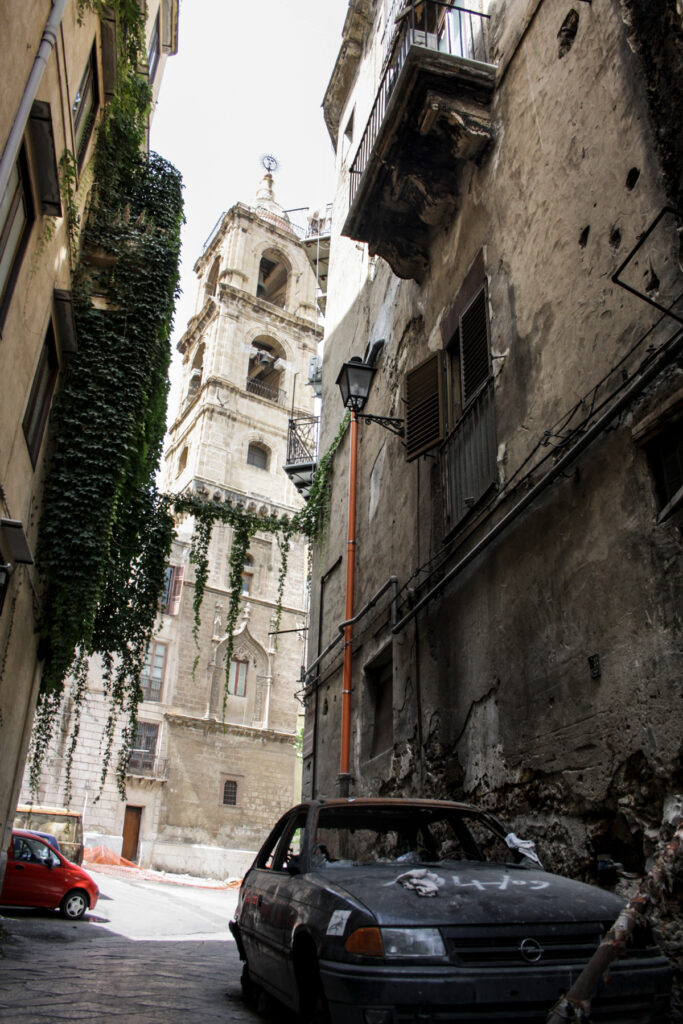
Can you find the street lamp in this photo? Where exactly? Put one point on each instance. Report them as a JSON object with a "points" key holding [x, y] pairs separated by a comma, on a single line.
{"points": [[354, 380]]}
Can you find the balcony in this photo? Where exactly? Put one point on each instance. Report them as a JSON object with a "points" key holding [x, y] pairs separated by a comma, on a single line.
{"points": [[144, 763], [430, 117], [302, 453], [257, 387]]}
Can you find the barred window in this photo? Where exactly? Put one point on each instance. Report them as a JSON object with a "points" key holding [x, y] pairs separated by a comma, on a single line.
{"points": [[230, 793]]}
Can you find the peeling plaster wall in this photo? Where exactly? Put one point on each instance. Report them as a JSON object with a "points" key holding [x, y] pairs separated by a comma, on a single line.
{"points": [[492, 691]]}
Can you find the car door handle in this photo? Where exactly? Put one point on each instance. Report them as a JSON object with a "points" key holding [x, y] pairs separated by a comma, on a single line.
{"points": [[18, 867]]}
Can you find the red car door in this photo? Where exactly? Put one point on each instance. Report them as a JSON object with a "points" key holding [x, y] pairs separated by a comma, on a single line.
{"points": [[29, 881]]}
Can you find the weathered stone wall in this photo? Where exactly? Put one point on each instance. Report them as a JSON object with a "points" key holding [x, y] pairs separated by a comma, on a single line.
{"points": [[493, 695]]}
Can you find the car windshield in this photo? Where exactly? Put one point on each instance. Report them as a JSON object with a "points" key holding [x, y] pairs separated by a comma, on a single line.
{"points": [[369, 835]]}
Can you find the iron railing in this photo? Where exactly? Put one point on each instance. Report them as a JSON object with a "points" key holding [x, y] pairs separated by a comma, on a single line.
{"points": [[302, 441], [436, 25], [143, 762], [257, 387], [469, 457]]}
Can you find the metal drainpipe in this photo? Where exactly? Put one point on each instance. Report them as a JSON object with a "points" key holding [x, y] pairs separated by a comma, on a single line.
{"points": [[13, 144], [666, 355], [344, 775]]}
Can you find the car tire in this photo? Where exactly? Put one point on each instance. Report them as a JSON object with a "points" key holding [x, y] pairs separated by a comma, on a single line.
{"points": [[313, 1008], [250, 990], [74, 905]]}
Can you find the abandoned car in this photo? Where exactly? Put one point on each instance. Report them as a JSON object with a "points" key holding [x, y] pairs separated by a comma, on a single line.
{"points": [[364, 911]]}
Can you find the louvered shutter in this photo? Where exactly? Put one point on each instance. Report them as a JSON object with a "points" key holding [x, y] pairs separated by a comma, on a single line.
{"points": [[176, 590], [475, 362], [423, 396]]}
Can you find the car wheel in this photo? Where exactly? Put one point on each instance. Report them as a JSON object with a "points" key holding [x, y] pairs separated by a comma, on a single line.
{"points": [[250, 990], [313, 1008], [74, 905]]}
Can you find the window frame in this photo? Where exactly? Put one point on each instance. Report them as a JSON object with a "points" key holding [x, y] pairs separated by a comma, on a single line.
{"points": [[83, 114], [40, 397], [238, 679], [173, 589], [22, 196], [256, 446], [230, 781], [154, 49], [145, 762], [147, 688]]}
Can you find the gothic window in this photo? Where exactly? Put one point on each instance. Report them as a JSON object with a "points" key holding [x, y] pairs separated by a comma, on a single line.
{"points": [[237, 684], [84, 107], [258, 455], [230, 793], [16, 217], [272, 279], [153, 669], [38, 408], [182, 460]]}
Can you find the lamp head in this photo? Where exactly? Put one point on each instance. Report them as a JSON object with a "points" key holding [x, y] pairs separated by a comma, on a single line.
{"points": [[354, 380]]}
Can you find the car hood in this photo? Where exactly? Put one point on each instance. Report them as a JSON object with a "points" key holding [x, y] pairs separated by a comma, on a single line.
{"points": [[467, 892]]}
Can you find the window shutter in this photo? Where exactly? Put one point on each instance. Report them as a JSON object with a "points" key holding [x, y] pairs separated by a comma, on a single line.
{"points": [[474, 347], [176, 590], [424, 420]]}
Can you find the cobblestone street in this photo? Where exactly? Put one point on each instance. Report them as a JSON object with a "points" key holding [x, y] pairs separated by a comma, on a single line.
{"points": [[117, 963]]}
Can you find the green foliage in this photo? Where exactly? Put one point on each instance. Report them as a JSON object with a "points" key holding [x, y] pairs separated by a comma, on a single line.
{"points": [[105, 531]]}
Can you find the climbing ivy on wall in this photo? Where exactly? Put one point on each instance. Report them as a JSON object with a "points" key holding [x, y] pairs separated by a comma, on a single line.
{"points": [[105, 531]]}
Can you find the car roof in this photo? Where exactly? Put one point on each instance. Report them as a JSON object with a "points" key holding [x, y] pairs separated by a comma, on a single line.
{"points": [[394, 803], [28, 833]]}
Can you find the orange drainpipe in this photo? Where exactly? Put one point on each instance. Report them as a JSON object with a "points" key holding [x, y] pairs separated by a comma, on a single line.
{"points": [[344, 776]]}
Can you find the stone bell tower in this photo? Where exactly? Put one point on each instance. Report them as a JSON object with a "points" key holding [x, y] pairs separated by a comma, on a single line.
{"points": [[245, 362]]}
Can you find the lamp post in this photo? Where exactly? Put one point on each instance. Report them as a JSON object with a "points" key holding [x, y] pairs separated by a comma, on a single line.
{"points": [[354, 380]]}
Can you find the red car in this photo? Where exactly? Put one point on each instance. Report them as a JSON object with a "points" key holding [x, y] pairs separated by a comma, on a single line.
{"points": [[38, 876]]}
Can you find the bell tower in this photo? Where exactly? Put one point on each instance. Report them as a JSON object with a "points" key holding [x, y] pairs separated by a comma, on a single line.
{"points": [[246, 355]]}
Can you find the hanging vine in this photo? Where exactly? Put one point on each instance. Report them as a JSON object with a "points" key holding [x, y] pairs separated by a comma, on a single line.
{"points": [[105, 532]]}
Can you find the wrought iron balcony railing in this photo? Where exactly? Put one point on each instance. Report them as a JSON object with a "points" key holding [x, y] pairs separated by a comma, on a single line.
{"points": [[257, 387], [302, 452], [143, 762], [435, 25]]}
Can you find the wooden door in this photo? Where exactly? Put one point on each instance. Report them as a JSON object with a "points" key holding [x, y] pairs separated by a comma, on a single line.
{"points": [[131, 832]]}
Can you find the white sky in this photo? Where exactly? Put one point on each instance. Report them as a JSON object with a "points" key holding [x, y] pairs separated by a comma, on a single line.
{"points": [[248, 79]]}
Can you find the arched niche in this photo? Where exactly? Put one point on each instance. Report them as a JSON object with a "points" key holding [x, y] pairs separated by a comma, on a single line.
{"points": [[211, 279], [265, 373], [196, 370], [273, 275]]}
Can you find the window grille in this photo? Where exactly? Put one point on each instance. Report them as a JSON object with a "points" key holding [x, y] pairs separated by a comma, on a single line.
{"points": [[230, 793]]}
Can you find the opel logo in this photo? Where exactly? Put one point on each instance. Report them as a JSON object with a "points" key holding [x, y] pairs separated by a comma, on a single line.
{"points": [[531, 950]]}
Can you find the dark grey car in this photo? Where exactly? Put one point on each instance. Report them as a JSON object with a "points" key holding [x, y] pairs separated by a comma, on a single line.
{"points": [[398, 911]]}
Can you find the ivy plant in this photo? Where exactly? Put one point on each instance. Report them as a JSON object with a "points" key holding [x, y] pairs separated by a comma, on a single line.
{"points": [[105, 531]]}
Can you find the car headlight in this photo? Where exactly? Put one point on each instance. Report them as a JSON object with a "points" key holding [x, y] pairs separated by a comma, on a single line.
{"points": [[396, 942]]}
